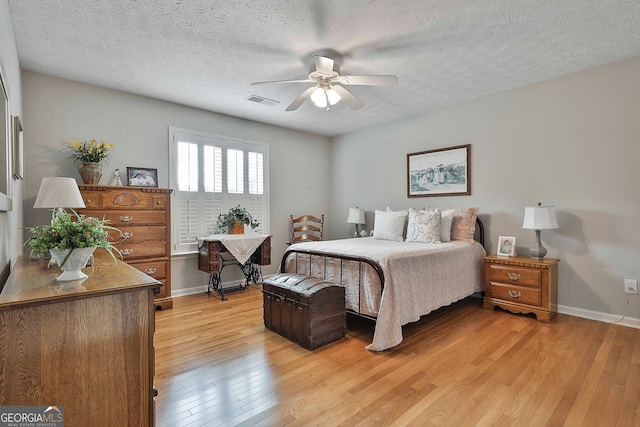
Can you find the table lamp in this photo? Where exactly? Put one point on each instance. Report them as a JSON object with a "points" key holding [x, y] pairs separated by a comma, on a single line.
{"points": [[356, 216], [539, 218], [58, 192]]}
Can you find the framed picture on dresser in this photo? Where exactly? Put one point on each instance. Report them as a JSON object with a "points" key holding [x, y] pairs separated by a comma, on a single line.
{"points": [[142, 177]]}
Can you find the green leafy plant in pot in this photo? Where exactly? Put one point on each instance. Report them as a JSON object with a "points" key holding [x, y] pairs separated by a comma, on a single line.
{"points": [[71, 238], [232, 221]]}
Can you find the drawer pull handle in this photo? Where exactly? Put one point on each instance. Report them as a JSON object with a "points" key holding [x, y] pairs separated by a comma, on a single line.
{"points": [[126, 252], [126, 235], [514, 294], [89, 200], [126, 218], [150, 271], [513, 276]]}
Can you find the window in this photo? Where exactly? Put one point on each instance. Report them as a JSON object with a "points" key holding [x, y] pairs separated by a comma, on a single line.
{"points": [[211, 174]]}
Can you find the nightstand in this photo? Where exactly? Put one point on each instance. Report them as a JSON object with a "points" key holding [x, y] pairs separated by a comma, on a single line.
{"points": [[522, 285]]}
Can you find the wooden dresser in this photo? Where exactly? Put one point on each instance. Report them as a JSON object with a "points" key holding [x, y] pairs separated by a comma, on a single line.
{"points": [[522, 285], [85, 345], [143, 216]]}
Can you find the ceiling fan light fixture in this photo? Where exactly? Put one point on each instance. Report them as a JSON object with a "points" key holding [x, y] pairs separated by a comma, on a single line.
{"points": [[327, 79], [319, 97]]}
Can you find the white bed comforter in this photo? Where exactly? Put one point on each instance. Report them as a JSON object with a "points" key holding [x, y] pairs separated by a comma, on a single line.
{"points": [[419, 278]]}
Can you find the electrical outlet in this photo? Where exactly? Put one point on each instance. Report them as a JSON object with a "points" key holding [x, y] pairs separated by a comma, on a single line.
{"points": [[630, 286]]}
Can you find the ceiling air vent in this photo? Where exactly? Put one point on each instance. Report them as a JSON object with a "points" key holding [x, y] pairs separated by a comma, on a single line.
{"points": [[264, 101]]}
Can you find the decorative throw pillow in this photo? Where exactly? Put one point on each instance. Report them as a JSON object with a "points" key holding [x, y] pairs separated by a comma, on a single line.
{"points": [[446, 221], [404, 212], [424, 226], [389, 225], [463, 226]]}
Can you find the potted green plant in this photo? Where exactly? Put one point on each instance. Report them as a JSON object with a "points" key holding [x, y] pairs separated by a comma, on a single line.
{"points": [[233, 221], [71, 239]]}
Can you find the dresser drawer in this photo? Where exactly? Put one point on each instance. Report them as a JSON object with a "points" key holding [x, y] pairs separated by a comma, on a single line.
{"points": [[155, 269], [124, 199], [513, 293], [139, 234], [118, 219], [141, 250], [516, 275]]}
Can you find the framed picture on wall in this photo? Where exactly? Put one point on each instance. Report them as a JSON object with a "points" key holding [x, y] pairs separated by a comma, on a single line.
{"points": [[18, 149], [506, 246], [441, 172], [142, 177]]}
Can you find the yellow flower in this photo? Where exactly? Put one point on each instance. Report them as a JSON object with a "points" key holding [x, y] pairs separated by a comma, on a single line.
{"points": [[89, 151]]}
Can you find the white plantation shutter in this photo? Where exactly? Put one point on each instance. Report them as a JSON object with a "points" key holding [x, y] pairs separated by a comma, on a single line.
{"points": [[212, 174], [255, 172]]}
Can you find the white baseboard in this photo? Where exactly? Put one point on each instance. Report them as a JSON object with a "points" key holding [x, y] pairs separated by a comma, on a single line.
{"points": [[631, 322]]}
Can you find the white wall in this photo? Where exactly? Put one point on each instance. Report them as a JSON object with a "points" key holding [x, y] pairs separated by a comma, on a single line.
{"points": [[573, 142], [58, 110], [10, 222]]}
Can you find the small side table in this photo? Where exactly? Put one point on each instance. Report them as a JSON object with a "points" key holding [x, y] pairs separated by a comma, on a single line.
{"points": [[522, 285]]}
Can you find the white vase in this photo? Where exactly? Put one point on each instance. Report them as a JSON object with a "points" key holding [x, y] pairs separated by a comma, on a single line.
{"points": [[71, 269]]}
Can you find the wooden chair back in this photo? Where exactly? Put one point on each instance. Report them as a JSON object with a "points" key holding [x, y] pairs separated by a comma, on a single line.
{"points": [[306, 228]]}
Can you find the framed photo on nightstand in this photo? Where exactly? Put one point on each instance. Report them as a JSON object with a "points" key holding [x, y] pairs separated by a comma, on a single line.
{"points": [[506, 246]]}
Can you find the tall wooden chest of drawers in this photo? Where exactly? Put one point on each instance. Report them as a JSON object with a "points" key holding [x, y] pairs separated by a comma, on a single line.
{"points": [[143, 216], [522, 285]]}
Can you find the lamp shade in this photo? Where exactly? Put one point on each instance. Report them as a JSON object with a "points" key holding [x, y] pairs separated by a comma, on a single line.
{"points": [[356, 216], [59, 192], [539, 217]]}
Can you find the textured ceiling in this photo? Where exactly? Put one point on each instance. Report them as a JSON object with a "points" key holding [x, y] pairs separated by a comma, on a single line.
{"points": [[205, 53]]}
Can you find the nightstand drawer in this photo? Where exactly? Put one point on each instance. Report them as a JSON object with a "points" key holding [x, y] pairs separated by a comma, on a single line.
{"points": [[515, 293], [516, 275]]}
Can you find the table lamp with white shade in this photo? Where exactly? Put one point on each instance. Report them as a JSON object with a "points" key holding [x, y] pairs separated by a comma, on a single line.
{"points": [[539, 218], [58, 192], [356, 216]]}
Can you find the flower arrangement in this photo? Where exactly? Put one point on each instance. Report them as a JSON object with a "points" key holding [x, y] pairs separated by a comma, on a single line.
{"points": [[237, 214], [71, 230], [89, 151]]}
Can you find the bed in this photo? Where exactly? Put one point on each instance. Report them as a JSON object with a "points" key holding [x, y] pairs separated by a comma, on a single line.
{"points": [[394, 282]]}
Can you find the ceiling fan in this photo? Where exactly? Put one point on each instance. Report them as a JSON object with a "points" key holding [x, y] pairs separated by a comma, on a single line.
{"points": [[328, 89]]}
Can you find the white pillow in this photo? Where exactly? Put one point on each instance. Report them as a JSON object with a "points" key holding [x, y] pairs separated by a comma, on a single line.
{"points": [[404, 212], [389, 225], [424, 226], [446, 220]]}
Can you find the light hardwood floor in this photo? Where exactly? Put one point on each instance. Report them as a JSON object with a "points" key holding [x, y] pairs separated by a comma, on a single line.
{"points": [[216, 364]]}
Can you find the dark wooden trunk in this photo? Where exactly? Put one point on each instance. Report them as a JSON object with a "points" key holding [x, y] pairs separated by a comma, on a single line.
{"points": [[307, 310]]}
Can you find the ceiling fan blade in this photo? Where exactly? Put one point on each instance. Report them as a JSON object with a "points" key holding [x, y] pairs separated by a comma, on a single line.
{"points": [[324, 65], [282, 81], [348, 98], [299, 100], [369, 80]]}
